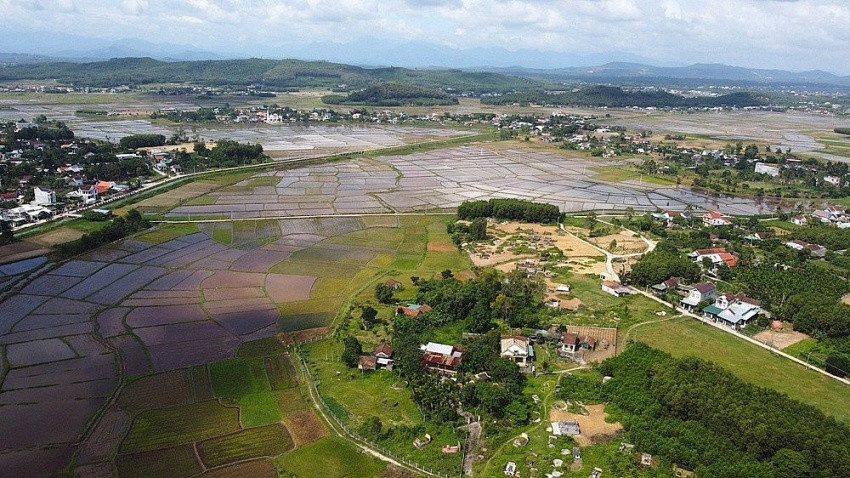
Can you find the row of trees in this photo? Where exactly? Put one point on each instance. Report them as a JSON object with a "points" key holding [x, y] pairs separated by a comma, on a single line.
{"points": [[510, 209], [135, 141], [120, 227], [693, 412]]}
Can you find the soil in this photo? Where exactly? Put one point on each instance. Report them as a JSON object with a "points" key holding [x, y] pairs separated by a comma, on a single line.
{"points": [[780, 339], [594, 428], [305, 427], [441, 247]]}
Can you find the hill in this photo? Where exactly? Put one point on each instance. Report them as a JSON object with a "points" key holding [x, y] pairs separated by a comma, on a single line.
{"points": [[261, 72], [393, 94], [615, 97]]}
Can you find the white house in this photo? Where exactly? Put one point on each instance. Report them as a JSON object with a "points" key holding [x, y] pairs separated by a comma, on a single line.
{"points": [[733, 311], [834, 180], [44, 196], [769, 169], [714, 218], [615, 288], [518, 349], [698, 293]]}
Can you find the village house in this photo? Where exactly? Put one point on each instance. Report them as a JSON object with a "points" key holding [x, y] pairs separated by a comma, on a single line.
{"points": [[518, 349], [572, 342], [799, 220], [566, 428], [717, 256], [44, 196], [704, 291], [441, 358], [815, 249], [380, 358], [615, 288], [733, 310], [413, 310], [714, 218], [769, 169], [393, 284], [669, 284]]}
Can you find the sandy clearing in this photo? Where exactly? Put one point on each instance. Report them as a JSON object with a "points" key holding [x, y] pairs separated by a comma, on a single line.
{"points": [[593, 427], [780, 338]]}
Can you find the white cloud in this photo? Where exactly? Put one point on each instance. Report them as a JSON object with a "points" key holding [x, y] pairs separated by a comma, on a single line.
{"points": [[786, 34]]}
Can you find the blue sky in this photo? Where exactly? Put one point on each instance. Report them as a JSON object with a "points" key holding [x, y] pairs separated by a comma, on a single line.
{"points": [[787, 34]]}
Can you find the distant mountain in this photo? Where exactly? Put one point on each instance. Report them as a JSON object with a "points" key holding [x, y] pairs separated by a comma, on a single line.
{"points": [[281, 74], [702, 72]]}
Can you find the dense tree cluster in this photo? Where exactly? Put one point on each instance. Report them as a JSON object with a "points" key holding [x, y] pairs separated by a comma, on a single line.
{"points": [[616, 97], [842, 131], [693, 412], [135, 141], [661, 264], [393, 94], [120, 227], [510, 209]]}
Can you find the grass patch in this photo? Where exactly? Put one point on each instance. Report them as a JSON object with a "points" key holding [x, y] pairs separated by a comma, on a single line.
{"points": [[167, 232], [280, 372], [269, 441], [330, 457], [616, 174], [259, 409], [758, 366], [260, 348], [205, 200], [223, 233], [177, 461], [260, 181], [233, 378], [360, 395], [168, 427], [290, 401]]}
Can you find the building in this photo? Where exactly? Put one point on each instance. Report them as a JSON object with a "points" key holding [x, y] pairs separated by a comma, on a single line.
{"points": [[714, 218], [441, 358], [717, 256], [799, 220], [44, 196], [566, 428], [518, 349], [615, 288], [734, 311], [704, 291], [663, 287], [815, 249], [769, 169], [393, 284], [569, 343], [413, 310]]}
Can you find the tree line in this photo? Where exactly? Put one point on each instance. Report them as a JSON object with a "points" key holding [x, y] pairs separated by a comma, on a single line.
{"points": [[509, 209], [119, 228]]}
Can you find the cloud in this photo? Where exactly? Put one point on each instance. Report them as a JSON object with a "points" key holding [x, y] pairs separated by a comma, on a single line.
{"points": [[791, 34]]}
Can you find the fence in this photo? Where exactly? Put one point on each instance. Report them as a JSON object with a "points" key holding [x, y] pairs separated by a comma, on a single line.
{"points": [[313, 384]]}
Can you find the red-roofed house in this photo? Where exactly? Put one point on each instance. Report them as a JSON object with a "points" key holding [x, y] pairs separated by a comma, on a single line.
{"points": [[714, 218]]}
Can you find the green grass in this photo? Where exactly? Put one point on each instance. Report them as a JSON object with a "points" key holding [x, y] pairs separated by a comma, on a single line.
{"points": [[363, 395], [259, 181], [280, 372], [260, 348], [177, 461], [269, 441], [223, 233], [205, 200], [167, 232], [259, 409], [233, 378], [758, 366], [330, 457], [168, 427]]}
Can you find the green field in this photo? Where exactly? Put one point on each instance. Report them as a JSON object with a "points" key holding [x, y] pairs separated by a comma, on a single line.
{"points": [[330, 457], [167, 232], [245, 382], [177, 461], [268, 441], [172, 426], [686, 336]]}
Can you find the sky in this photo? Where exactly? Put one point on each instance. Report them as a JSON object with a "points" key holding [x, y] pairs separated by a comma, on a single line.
{"points": [[784, 34]]}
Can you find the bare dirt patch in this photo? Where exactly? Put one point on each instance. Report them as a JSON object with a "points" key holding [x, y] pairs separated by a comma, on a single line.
{"points": [[780, 339], [304, 335], [594, 428], [625, 243], [602, 335], [305, 427], [441, 247]]}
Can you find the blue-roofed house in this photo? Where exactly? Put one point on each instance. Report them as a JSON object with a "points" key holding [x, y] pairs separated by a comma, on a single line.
{"points": [[735, 311]]}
